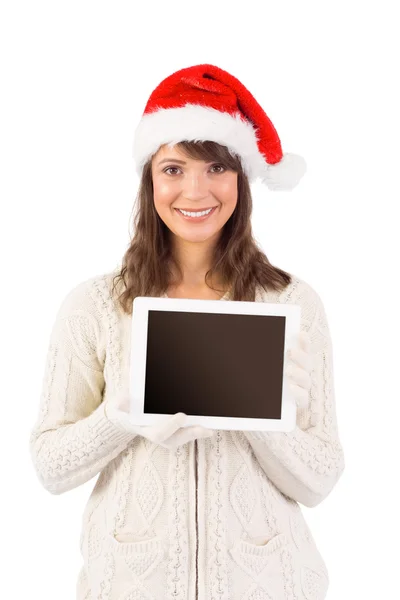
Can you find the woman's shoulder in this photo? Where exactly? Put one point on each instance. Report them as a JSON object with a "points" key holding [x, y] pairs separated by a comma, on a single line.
{"points": [[304, 291], [298, 291], [93, 295]]}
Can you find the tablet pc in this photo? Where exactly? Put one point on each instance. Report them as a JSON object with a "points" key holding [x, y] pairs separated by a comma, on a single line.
{"points": [[220, 363]]}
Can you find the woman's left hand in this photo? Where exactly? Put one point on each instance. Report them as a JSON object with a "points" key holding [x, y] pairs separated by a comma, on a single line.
{"points": [[298, 370]]}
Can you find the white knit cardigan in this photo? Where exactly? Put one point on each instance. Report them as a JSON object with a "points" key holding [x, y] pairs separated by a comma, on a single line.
{"points": [[219, 518]]}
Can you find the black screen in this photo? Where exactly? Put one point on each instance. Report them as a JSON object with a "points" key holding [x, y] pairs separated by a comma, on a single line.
{"points": [[219, 365]]}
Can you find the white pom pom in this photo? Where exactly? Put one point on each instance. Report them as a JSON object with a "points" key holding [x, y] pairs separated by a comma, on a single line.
{"points": [[285, 174]]}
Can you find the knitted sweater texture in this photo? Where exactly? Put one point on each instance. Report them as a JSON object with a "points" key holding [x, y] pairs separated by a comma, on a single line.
{"points": [[218, 518]]}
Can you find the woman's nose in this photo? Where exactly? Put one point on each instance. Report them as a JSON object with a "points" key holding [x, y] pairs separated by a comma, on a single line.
{"points": [[195, 186]]}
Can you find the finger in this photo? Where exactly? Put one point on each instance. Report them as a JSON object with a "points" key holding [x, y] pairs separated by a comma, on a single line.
{"points": [[300, 395], [122, 402], [193, 432], [304, 340], [301, 358], [203, 432], [165, 429], [297, 375]]}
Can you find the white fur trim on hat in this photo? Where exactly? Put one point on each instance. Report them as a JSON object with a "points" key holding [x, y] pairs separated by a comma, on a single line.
{"points": [[193, 122]]}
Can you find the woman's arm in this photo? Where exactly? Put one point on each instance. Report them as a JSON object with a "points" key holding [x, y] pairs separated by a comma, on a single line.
{"points": [[305, 464], [73, 439]]}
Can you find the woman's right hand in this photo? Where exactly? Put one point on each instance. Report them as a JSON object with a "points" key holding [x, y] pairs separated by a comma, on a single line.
{"points": [[170, 433]]}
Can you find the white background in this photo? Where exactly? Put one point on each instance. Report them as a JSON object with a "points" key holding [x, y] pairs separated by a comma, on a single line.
{"points": [[75, 78]]}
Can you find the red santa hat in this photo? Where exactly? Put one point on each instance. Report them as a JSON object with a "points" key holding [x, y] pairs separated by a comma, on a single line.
{"points": [[204, 102]]}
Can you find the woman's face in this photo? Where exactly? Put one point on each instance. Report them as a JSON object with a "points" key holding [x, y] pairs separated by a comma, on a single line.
{"points": [[193, 185]]}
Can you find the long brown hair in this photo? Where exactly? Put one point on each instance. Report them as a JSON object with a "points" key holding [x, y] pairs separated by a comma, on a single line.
{"points": [[238, 261]]}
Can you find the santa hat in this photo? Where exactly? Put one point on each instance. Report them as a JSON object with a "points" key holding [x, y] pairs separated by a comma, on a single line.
{"points": [[204, 102]]}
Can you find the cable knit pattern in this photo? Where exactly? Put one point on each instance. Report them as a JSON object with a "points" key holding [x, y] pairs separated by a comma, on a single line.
{"points": [[216, 565], [178, 557], [157, 525], [109, 313], [73, 439]]}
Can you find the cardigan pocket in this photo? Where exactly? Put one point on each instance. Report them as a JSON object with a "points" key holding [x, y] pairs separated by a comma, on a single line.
{"points": [[138, 558], [135, 564], [120, 568], [264, 563]]}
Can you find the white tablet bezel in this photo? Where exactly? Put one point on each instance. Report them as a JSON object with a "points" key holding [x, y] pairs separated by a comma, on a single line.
{"points": [[139, 326]]}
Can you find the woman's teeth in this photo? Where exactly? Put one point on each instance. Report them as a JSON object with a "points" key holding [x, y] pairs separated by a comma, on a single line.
{"points": [[195, 214]]}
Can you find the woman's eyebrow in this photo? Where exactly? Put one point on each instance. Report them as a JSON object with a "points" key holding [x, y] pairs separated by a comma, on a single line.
{"points": [[182, 162], [174, 160]]}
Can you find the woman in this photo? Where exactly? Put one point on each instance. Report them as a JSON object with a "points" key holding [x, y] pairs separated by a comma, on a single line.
{"points": [[185, 512]]}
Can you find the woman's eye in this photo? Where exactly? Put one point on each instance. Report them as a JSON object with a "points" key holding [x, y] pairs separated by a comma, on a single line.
{"points": [[169, 169], [219, 167]]}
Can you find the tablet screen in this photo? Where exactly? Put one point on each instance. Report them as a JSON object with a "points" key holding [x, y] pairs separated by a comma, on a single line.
{"points": [[221, 365]]}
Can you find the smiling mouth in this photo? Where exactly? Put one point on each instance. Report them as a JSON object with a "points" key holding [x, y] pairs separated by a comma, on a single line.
{"points": [[197, 209], [197, 215]]}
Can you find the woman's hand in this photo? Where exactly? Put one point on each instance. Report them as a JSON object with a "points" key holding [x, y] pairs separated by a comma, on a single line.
{"points": [[170, 433], [298, 370]]}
